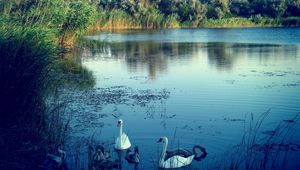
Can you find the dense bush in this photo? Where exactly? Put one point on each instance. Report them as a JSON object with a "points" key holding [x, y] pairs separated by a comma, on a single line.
{"points": [[26, 54], [155, 14], [65, 18], [27, 57], [30, 68], [193, 12]]}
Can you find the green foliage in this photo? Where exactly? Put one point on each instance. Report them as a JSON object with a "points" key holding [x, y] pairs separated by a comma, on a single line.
{"points": [[192, 12], [42, 12], [30, 69], [293, 8], [239, 8], [269, 8], [26, 57], [151, 17], [171, 21], [218, 9], [80, 15], [256, 21], [66, 18], [227, 22], [114, 19], [291, 22], [154, 14], [168, 7]]}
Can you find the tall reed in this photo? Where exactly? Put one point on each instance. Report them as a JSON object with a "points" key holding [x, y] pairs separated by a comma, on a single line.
{"points": [[261, 149], [27, 57]]}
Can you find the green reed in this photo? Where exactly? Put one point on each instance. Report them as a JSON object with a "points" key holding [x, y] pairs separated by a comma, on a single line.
{"points": [[259, 149]]}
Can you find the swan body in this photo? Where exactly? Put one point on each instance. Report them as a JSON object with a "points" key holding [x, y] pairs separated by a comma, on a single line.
{"points": [[199, 152], [180, 152], [100, 155], [133, 157], [122, 141], [174, 159], [101, 160], [53, 161]]}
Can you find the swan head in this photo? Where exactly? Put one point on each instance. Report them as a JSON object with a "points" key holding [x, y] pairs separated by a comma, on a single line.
{"points": [[60, 151], [162, 139], [120, 122]]}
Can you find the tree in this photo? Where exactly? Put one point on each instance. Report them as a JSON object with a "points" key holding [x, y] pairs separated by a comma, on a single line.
{"points": [[293, 8], [200, 11], [277, 8], [167, 7], [239, 8], [218, 9], [190, 10], [184, 11], [129, 6], [268, 8]]}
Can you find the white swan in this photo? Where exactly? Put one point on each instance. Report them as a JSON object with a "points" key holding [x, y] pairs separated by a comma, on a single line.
{"points": [[122, 142], [173, 161]]}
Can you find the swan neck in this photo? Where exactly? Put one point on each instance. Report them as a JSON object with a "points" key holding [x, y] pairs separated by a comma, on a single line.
{"points": [[164, 150], [121, 130]]}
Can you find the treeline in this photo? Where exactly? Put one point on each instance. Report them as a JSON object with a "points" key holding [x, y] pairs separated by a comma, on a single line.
{"points": [[175, 13]]}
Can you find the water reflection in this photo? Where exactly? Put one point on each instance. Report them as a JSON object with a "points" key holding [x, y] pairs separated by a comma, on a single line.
{"points": [[155, 57], [220, 56]]}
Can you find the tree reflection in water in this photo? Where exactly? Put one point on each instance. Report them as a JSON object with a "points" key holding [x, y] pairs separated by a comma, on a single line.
{"points": [[154, 56]]}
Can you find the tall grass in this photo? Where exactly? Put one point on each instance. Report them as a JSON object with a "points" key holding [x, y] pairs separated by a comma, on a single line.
{"points": [[255, 21], [27, 57], [30, 71], [171, 22], [261, 149], [115, 19], [151, 17], [227, 22], [147, 18]]}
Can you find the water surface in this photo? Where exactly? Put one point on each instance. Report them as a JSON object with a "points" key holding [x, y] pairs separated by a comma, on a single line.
{"points": [[207, 83]]}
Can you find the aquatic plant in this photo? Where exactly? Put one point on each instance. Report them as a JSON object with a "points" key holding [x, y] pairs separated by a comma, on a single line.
{"points": [[260, 149]]}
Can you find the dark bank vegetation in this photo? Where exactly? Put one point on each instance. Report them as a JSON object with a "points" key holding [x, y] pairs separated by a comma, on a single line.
{"points": [[26, 55], [35, 39]]}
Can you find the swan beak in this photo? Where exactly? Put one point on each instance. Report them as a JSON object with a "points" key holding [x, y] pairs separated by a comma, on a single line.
{"points": [[159, 140]]}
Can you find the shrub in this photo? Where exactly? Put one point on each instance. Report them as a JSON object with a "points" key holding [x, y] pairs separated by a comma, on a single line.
{"points": [[27, 55]]}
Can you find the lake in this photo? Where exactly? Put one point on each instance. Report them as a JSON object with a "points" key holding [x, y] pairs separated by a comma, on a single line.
{"points": [[194, 86]]}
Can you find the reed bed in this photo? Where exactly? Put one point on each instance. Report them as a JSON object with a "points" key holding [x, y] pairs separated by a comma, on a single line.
{"points": [[261, 149], [26, 59], [31, 70]]}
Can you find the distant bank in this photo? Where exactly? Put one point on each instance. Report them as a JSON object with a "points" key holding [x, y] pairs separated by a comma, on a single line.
{"points": [[127, 22]]}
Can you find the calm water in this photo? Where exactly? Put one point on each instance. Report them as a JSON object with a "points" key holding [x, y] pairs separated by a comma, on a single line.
{"points": [[214, 79]]}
